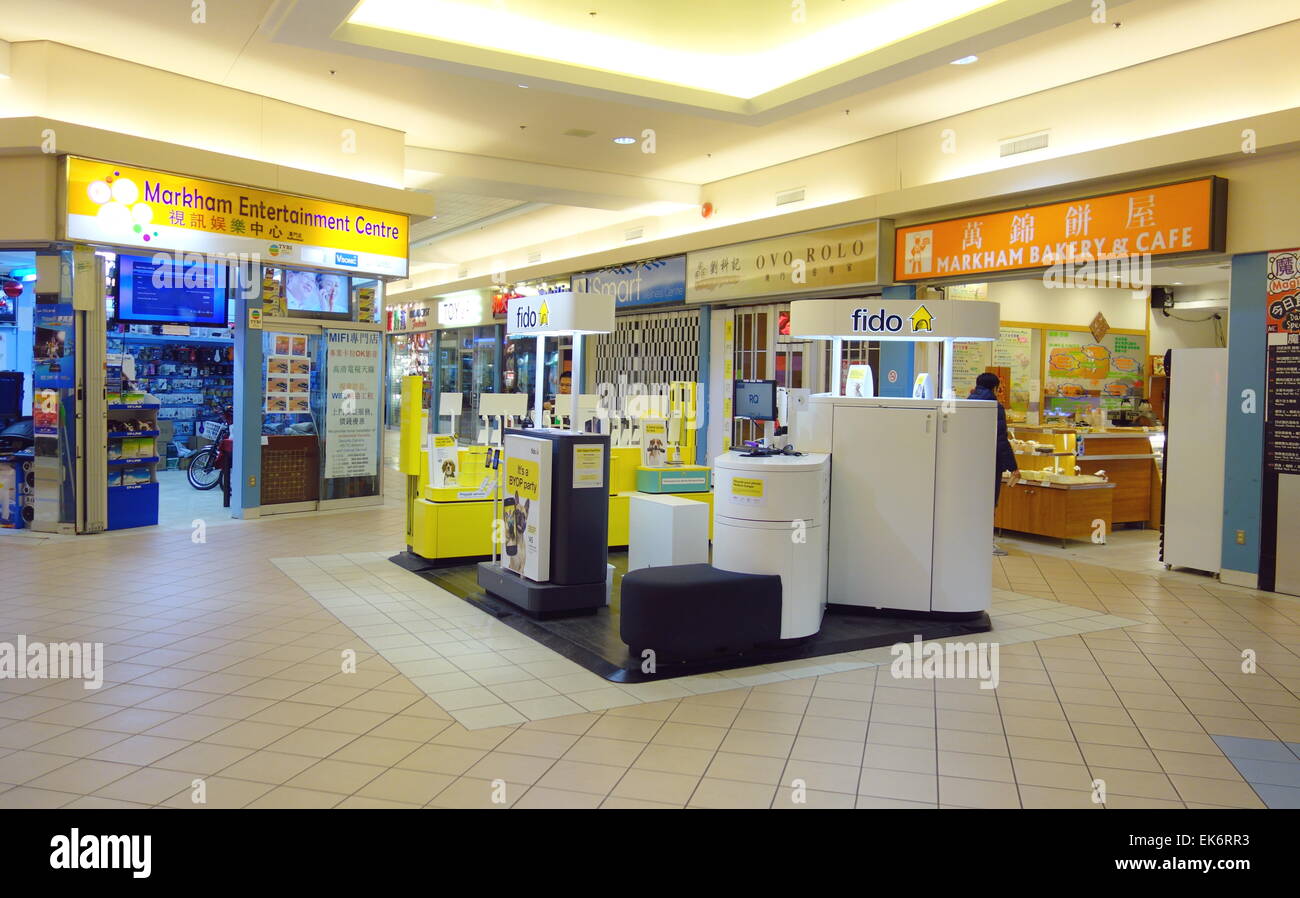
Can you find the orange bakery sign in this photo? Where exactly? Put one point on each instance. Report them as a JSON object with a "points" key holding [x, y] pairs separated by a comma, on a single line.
{"points": [[1170, 219]]}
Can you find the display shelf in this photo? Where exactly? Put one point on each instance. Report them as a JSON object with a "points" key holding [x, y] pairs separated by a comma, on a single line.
{"points": [[171, 338], [139, 462]]}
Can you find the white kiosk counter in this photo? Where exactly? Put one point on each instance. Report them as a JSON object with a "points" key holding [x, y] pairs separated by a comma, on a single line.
{"points": [[911, 512], [770, 517]]}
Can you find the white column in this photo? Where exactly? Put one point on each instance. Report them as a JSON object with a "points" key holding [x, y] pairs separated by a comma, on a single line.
{"points": [[946, 392], [837, 356], [539, 387], [575, 383]]}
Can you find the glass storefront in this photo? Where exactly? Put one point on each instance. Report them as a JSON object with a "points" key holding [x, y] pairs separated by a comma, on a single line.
{"points": [[408, 354], [469, 359]]}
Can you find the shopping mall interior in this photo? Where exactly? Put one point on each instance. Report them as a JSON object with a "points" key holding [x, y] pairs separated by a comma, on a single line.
{"points": [[840, 404]]}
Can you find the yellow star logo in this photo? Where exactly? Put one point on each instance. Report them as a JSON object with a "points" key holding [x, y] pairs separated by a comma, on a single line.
{"points": [[544, 313], [922, 320]]}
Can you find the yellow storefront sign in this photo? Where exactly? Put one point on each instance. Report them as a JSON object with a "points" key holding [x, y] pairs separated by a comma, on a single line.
{"points": [[110, 203]]}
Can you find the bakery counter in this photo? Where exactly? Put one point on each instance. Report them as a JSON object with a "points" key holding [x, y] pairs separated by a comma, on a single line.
{"points": [[1061, 511]]}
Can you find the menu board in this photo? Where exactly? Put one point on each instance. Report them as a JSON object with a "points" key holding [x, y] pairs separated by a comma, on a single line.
{"points": [[1079, 367], [1282, 326], [1014, 349]]}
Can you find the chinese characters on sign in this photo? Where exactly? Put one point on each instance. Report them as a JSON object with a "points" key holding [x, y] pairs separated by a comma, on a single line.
{"points": [[1174, 218], [1282, 319], [352, 404]]}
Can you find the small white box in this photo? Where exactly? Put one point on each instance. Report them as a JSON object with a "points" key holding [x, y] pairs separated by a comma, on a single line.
{"points": [[666, 530]]}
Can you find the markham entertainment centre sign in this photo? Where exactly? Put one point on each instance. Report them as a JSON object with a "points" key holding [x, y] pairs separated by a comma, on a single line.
{"points": [[159, 211]]}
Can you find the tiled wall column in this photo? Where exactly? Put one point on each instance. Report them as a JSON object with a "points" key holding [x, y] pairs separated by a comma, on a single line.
{"points": [[897, 355]]}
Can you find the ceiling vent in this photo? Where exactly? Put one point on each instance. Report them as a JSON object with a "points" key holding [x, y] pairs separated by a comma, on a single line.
{"points": [[634, 233], [578, 132], [785, 197], [535, 256], [1015, 145]]}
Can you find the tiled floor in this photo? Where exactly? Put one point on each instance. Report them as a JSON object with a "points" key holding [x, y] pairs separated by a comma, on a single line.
{"points": [[226, 682]]}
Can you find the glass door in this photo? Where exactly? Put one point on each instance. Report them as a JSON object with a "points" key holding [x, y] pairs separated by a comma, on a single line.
{"points": [[293, 407]]}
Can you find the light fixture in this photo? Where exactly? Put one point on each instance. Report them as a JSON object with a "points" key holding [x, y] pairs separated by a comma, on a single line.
{"points": [[624, 140], [965, 60], [524, 86]]}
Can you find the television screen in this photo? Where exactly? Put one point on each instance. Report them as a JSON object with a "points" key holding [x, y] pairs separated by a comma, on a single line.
{"points": [[317, 293], [166, 290], [755, 399]]}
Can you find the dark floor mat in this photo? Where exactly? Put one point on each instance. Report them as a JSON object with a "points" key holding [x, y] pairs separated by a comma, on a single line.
{"points": [[592, 640]]}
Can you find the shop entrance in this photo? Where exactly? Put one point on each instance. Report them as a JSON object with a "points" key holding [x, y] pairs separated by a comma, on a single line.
{"points": [[17, 455]]}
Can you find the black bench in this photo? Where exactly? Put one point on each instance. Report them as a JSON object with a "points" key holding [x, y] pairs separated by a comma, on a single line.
{"points": [[695, 612]]}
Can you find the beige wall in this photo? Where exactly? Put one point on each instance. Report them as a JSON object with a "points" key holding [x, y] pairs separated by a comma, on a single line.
{"points": [[1030, 302], [63, 83], [27, 184]]}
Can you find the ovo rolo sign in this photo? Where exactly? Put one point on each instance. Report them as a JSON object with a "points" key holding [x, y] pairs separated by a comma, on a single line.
{"points": [[111, 203]]}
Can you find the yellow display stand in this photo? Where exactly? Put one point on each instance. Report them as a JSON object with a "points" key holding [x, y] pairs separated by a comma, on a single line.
{"points": [[453, 523]]}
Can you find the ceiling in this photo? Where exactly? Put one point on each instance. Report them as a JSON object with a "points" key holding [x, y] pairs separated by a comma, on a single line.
{"points": [[485, 146]]}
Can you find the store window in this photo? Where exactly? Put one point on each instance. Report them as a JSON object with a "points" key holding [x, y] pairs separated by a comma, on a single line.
{"points": [[755, 338], [468, 359]]}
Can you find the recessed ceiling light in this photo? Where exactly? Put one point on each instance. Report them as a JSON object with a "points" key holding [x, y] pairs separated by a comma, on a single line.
{"points": [[624, 140], [524, 86], [1178, 283], [965, 60]]}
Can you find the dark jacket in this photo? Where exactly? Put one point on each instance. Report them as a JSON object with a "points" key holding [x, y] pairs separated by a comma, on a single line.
{"points": [[1006, 456]]}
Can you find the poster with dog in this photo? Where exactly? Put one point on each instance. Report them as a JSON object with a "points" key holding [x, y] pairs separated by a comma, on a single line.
{"points": [[526, 508], [444, 462], [654, 442]]}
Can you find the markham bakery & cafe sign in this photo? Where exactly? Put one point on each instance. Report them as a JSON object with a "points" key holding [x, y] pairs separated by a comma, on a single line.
{"points": [[1168, 220], [118, 204], [846, 256]]}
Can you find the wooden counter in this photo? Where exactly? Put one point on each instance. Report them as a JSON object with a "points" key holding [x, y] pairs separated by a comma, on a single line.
{"points": [[1129, 463], [1061, 511]]}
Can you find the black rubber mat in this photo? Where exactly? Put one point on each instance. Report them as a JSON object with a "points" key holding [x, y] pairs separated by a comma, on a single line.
{"points": [[592, 640]]}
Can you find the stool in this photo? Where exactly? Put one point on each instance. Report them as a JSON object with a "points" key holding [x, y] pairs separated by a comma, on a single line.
{"points": [[694, 612]]}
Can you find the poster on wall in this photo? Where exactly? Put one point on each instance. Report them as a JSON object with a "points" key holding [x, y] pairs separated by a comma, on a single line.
{"points": [[54, 347], [1078, 368], [1282, 326], [352, 380], [526, 508], [1014, 349]]}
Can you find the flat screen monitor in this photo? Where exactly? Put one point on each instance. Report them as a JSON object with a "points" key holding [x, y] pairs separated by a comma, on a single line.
{"points": [[314, 294], [755, 399], [164, 289]]}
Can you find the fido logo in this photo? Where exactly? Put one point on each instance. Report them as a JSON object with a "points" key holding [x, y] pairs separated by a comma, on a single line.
{"points": [[876, 322]]}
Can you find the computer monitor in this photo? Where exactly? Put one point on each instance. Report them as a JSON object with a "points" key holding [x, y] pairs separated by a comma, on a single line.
{"points": [[755, 399]]}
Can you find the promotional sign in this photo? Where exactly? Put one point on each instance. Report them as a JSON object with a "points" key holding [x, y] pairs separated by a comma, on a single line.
{"points": [[526, 509], [746, 491], [656, 282], [1158, 221], [815, 260], [858, 383], [588, 466], [353, 382], [54, 347], [444, 462], [288, 376], [1111, 368], [654, 442], [553, 314], [872, 318], [1282, 325], [110, 203]]}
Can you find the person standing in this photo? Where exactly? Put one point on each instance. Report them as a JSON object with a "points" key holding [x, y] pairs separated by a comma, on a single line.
{"points": [[986, 386]]}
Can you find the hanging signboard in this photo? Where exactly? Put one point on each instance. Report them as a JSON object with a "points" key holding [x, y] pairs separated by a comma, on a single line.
{"points": [[1168, 220], [797, 263], [656, 282], [872, 318], [110, 203], [556, 314], [352, 383]]}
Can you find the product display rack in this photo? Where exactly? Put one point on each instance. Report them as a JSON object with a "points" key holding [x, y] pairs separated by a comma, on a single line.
{"points": [[132, 463], [191, 375]]}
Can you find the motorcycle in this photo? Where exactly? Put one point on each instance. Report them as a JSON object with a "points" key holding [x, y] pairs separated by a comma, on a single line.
{"points": [[206, 466]]}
